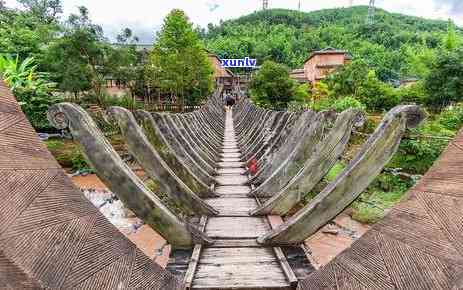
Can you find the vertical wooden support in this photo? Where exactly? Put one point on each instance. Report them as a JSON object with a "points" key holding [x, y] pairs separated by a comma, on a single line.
{"points": [[194, 257]]}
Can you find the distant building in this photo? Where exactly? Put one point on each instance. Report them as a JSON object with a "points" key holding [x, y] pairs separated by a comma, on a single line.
{"points": [[298, 75], [408, 82], [320, 64], [222, 75]]}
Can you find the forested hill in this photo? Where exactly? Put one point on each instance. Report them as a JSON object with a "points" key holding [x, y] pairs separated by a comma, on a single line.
{"points": [[288, 36]]}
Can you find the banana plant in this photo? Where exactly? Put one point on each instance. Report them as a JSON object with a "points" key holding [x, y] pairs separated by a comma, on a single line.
{"points": [[35, 93]]}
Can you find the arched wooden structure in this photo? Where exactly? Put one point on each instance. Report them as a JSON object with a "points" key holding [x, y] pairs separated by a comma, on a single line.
{"points": [[52, 237]]}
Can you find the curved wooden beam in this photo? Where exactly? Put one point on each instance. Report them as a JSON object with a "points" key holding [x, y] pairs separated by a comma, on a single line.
{"points": [[155, 166], [310, 136], [315, 168], [348, 185], [121, 180], [163, 147], [288, 143]]}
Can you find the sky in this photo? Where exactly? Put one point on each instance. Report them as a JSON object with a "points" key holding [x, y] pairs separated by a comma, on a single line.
{"points": [[145, 17]]}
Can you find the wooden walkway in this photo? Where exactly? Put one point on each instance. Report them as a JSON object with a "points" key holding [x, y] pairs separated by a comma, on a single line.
{"points": [[235, 260], [51, 237]]}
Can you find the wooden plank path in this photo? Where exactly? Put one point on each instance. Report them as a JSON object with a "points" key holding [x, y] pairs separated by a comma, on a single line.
{"points": [[51, 237], [235, 260]]}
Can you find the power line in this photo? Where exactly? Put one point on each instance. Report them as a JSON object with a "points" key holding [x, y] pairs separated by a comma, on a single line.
{"points": [[371, 13], [264, 4]]}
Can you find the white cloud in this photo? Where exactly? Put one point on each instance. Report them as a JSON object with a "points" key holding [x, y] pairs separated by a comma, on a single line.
{"points": [[145, 16]]}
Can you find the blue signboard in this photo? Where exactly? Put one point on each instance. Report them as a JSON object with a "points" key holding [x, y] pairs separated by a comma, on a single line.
{"points": [[242, 62]]}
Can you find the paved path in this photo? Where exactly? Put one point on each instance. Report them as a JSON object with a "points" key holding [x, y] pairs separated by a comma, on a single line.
{"points": [[236, 261]]}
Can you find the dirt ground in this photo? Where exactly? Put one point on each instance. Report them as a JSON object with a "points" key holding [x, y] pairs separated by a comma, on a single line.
{"points": [[324, 245], [146, 239]]}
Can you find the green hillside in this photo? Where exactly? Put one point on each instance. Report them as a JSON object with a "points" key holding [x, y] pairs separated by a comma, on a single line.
{"points": [[288, 36]]}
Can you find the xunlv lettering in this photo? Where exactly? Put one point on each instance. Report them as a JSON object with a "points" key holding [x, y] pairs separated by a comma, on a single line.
{"points": [[242, 62]]}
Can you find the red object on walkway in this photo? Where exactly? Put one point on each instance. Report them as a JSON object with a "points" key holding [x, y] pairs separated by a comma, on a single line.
{"points": [[252, 166]]}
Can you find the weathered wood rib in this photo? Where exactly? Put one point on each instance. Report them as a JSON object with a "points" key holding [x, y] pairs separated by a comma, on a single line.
{"points": [[180, 152], [326, 153], [418, 245], [277, 137], [311, 136], [121, 180], [368, 163], [235, 261], [51, 236], [163, 147], [286, 145], [188, 148], [192, 141], [149, 159], [265, 136]]}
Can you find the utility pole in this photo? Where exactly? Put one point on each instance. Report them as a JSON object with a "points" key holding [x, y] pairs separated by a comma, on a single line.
{"points": [[371, 13], [299, 6], [265, 4]]}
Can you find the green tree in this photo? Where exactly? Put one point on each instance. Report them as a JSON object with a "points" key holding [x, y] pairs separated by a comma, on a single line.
{"points": [[32, 89], [272, 86], [358, 80], [125, 62], [302, 93], [23, 33], [46, 11], [450, 41], [444, 84], [178, 64], [78, 60]]}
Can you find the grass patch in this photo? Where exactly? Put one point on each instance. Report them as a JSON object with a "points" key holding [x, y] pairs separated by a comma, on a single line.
{"points": [[335, 170], [386, 191], [68, 154]]}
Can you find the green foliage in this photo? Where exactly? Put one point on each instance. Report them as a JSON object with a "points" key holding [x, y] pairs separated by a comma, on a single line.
{"points": [[124, 101], [287, 36], [414, 93], [26, 33], [32, 89], [347, 103], [450, 41], [419, 60], [46, 11], [178, 64], [77, 59], [68, 154], [302, 93], [357, 80], [382, 194], [444, 84], [416, 155], [271, 86], [334, 171]]}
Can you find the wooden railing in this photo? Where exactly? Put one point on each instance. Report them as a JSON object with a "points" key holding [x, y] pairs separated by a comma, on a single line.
{"points": [[166, 107]]}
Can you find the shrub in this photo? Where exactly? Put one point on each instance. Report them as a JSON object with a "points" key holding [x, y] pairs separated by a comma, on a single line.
{"points": [[417, 154], [413, 94], [124, 101], [272, 86], [302, 93], [444, 84], [452, 117], [382, 194], [68, 154], [347, 103], [32, 89]]}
